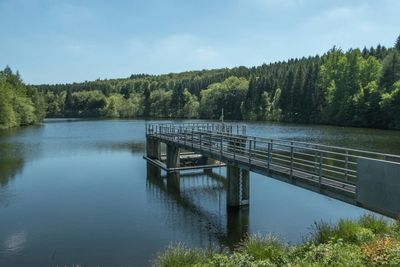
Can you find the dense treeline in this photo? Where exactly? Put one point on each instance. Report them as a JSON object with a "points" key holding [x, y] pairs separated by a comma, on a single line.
{"points": [[355, 88], [18, 104]]}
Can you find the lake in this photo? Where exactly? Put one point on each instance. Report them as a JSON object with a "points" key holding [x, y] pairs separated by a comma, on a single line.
{"points": [[79, 192]]}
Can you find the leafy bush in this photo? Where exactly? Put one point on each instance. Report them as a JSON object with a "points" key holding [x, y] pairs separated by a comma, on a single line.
{"points": [[236, 260], [347, 230], [384, 251], [322, 232], [353, 232], [181, 256], [265, 248], [332, 253], [369, 241], [375, 224]]}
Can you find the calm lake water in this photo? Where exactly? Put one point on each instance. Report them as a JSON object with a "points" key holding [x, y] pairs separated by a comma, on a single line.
{"points": [[79, 192]]}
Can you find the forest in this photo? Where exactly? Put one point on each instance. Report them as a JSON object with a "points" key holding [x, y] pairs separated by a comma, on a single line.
{"points": [[19, 105], [351, 88]]}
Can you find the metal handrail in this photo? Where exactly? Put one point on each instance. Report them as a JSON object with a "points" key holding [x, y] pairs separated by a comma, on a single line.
{"points": [[318, 160], [299, 144]]}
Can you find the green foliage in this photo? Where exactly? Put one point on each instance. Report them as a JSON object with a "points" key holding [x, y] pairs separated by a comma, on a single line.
{"points": [[353, 232], [265, 248], [347, 230], [377, 225], [369, 241], [181, 256], [236, 260], [332, 253], [160, 103], [119, 107], [357, 88], [397, 44], [390, 104], [227, 95], [390, 70], [346, 77], [18, 106]]}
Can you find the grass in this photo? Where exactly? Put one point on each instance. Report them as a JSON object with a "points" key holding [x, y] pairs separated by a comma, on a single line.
{"points": [[368, 241]]}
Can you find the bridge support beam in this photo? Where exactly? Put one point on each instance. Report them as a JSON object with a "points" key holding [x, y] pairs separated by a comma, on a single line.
{"points": [[153, 148], [238, 186], [173, 156]]}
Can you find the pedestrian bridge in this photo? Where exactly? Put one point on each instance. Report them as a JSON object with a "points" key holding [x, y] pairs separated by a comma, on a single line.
{"points": [[363, 178]]}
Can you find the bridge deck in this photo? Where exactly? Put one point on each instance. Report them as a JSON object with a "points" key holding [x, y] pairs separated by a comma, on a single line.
{"points": [[326, 169]]}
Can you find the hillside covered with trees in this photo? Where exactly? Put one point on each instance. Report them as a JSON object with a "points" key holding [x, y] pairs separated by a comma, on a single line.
{"points": [[353, 88]]}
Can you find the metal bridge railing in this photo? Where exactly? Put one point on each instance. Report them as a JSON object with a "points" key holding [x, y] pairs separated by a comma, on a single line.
{"points": [[318, 161]]}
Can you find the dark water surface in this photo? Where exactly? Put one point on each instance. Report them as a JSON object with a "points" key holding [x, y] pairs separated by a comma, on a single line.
{"points": [[79, 192]]}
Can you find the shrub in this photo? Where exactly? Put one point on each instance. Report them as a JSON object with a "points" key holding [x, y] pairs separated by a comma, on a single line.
{"points": [[322, 232], [353, 232], [384, 251], [375, 224], [332, 253], [347, 230], [265, 248], [237, 260], [180, 256]]}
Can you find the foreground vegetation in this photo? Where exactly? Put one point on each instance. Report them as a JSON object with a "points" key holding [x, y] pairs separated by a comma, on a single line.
{"points": [[353, 88], [369, 241]]}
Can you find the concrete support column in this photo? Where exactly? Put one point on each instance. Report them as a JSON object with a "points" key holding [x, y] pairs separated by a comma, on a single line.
{"points": [[173, 158], [153, 148], [238, 186]]}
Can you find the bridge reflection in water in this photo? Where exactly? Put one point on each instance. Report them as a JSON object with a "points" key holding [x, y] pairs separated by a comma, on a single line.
{"points": [[198, 199]]}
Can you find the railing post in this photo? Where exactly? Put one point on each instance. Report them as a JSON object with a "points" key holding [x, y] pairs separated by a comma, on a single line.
{"points": [[346, 163], [234, 149], [221, 144], [269, 154], [291, 160], [250, 152], [209, 143], [320, 169], [315, 161], [192, 138], [200, 140]]}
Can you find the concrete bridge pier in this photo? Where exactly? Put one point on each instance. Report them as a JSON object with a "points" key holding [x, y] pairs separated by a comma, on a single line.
{"points": [[173, 156], [153, 148], [238, 192]]}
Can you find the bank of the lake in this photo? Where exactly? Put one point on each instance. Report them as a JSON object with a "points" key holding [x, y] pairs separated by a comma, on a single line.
{"points": [[368, 241], [78, 191]]}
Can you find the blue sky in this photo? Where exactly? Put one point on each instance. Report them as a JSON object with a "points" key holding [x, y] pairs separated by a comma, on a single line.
{"points": [[55, 41]]}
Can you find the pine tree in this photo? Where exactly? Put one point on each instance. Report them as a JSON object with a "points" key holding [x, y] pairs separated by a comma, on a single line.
{"points": [[397, 44], [68, 104], [390, 70]]}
